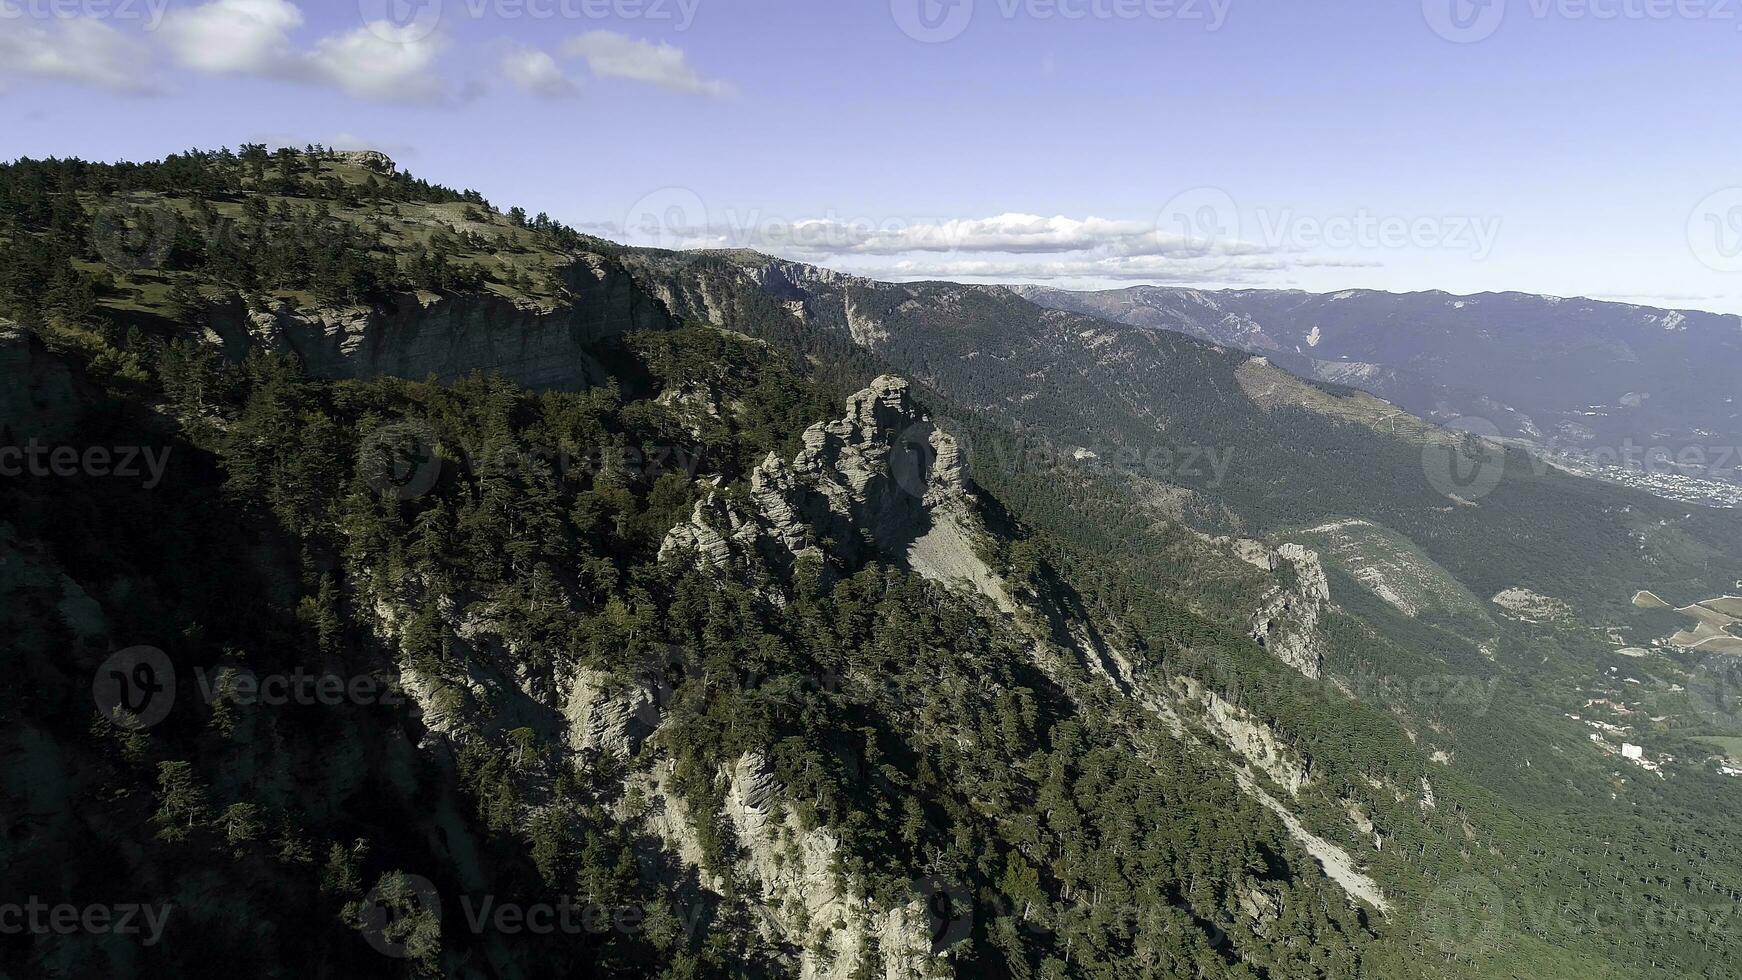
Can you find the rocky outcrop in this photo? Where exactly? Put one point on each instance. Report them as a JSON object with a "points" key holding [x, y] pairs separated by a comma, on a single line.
{"points": [[1287, 623], [374, 160], [451, 336], [882, 481], [610, 716]]}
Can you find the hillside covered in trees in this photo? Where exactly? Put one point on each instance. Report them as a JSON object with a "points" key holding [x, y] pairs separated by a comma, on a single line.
{"points": [[652, 625]]}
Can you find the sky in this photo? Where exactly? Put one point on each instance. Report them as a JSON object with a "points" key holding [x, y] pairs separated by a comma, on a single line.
{"points": [[1568, 147]]}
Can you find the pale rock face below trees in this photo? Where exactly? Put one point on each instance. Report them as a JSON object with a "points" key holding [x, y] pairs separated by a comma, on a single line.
{"points": [[880, 480], [1287, 622], [613, 718], [452, 336], [808, 903]]}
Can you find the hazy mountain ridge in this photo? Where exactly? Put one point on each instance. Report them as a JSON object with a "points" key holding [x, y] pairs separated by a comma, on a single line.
{"points": [[1573, 373]]}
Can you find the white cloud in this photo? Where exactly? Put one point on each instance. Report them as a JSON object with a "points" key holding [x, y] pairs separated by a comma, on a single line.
{"points": [[380, 61], [1152, 269], [1000, 248], [253, 37], [612, 55], [240, 36], [1010, 233], [76, 50], [537, 72]]}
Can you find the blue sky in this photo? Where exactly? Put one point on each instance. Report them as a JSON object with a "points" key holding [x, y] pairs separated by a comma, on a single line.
{"points": [[1578, 147]]}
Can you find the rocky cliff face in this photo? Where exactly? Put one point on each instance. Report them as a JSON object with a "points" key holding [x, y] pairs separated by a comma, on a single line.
{"points": [[1286, 622], [881, 481], [808, 904], [450, 337]]}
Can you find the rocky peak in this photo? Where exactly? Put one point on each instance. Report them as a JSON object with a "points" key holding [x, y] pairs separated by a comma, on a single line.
{"points": [[371, 159], [869, 483]]}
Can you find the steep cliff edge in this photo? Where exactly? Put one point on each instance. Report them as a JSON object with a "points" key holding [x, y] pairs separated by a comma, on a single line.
{"points": [[448, 336]]}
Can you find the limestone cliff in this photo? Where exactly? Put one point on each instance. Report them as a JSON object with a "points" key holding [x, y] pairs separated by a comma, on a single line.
{"points": [[807, 902], [1287, 623], [882, 481], [451, 336]]}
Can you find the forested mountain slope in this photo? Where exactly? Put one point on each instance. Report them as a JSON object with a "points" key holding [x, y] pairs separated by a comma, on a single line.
{"points": [[702, 605]]}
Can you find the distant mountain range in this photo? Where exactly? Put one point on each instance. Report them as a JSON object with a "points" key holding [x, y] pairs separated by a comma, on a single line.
{"points": [[1573, 374]]}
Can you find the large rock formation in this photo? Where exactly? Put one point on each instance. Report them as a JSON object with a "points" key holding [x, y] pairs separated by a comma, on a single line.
{"points": [[881, 481], [1287, 624]]}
